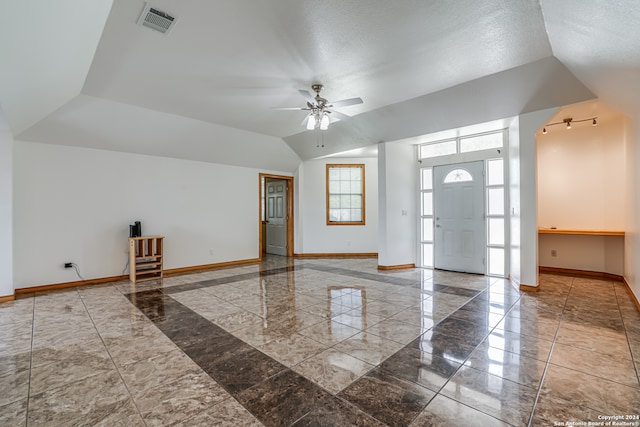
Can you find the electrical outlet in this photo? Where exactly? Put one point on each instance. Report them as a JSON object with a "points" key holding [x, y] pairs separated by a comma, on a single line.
{"points": [[554, 253], [68, 264]]}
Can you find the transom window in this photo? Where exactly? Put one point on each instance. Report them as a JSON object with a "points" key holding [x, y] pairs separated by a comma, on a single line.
{"points": [[465, 144], [345, 194]]}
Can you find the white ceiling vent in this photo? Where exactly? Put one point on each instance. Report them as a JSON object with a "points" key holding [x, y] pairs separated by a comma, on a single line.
{"points": [[156, 19]]}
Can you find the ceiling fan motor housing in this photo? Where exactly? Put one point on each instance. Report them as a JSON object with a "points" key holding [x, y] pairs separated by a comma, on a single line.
{"points": [[320, 101]]}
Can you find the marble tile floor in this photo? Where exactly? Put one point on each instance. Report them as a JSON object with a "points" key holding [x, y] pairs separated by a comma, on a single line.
{"points": [[321, 342]]}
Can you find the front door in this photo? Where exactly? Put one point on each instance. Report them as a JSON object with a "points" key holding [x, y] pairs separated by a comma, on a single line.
{"points": [[276, 217], [459, 239]]}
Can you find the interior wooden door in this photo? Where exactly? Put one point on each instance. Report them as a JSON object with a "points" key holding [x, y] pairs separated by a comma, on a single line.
{"points": [[276, 217]]}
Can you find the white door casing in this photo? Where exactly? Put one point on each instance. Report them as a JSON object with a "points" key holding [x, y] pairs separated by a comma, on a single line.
{"points": [[459, 239], [276, 217]]}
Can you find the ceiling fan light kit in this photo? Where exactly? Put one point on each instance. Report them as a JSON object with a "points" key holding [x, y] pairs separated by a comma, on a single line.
{"points": [[324, 121], [320, 108], [311, 122]]}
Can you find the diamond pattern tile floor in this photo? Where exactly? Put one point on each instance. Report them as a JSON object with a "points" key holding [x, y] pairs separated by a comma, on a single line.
{"points": [[321, 342]]}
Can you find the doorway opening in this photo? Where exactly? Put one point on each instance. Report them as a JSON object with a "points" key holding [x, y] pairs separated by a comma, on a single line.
{"points": [[275, 215], [445, 175]]}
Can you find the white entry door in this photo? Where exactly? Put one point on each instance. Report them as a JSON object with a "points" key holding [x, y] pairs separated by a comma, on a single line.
{"points": [[276, 217], [459, 240]]}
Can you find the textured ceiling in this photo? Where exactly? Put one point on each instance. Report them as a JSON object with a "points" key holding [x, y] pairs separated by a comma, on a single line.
{"points": [[46, 49], [419, 66], [231, 62], [600, 43]]}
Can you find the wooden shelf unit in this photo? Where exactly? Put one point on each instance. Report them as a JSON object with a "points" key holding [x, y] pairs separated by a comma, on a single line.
{"points": [[145, 258]]}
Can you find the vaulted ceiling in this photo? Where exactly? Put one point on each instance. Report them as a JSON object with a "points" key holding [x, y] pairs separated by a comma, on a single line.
{"points": [[84, 73]]}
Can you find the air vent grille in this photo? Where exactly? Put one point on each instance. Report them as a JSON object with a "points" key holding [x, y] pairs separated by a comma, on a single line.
{"points": [[156, 19]]}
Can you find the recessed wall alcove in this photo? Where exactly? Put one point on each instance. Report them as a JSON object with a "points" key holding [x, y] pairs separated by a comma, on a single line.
{"points": [[581, 190]]}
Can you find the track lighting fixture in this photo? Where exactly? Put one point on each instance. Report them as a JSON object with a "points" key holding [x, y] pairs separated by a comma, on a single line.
{"points": [[568, 123]]}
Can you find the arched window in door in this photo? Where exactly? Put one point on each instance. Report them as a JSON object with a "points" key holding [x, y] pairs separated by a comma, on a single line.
{"points": [[458, 175]]}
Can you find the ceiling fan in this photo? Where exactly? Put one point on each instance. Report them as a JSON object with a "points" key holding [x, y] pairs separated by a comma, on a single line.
{"points": [[320, 109]]}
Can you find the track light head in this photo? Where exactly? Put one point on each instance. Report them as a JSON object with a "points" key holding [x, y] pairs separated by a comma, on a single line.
{"points": [[568, 122]]}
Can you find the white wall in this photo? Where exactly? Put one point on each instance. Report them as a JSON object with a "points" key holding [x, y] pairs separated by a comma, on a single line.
{"points": [[515, 272], [313, 235], [581, 176], [398, 185], [523, 196], [586, 253], [6, 210], [632, 207], [75, 204]]}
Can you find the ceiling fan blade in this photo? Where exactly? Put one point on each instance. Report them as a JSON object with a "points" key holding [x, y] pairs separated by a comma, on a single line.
{"points": [[292, 108], [338, 115], [310, 99], [346, 102]]}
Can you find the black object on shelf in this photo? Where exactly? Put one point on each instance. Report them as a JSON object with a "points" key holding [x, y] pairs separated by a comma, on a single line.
{"points": [[135, 229]]}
